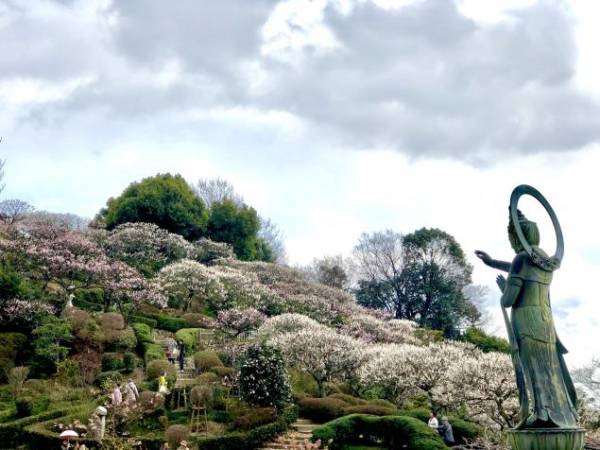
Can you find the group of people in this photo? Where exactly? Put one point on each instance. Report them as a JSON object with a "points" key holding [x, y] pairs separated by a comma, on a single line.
{"points": [[445, 429], [176, 352], [129, 390]]}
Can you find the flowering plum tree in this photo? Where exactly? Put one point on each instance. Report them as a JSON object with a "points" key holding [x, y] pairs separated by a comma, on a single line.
{"points": [[145, 246], [321, 352], [236, 322], [187, 281]]}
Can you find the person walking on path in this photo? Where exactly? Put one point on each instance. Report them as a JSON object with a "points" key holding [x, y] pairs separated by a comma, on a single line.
{"points": [[181, 355], [433, 422], [131, 392], [446, 432], [116, 396]]}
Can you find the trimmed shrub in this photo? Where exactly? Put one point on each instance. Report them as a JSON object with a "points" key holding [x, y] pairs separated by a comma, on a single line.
{"points": [[153, 352], [302, 383], [254, 418], [196, 320], [322, 410], [464, 431], [169, 323], [421, 414], [348, 399], [123, 340], [130, 361], [143, 319], [112, 321], [263, 379], [373, 410], [190, 337], [156, 368], [223, 372], [207, 378], [382, 402], [112, 361], [395, 431], [103, 377], [143, 333], [201, 396], [10, 344], [175, 434], [204, 360]]}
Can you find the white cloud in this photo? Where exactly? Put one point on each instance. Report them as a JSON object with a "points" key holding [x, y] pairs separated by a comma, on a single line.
{"points": [[345, 117]]}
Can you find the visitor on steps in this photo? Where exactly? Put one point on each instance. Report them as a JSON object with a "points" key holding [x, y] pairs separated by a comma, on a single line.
{"points": [[116, 397], [131, 392], [446, 432], [181, 346], [433, 422], [162, 384]]}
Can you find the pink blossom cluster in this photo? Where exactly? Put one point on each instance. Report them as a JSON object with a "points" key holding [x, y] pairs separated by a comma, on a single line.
{"points": [[238, 322]]}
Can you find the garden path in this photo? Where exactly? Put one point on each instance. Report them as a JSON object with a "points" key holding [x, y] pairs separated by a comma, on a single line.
{"points": [[296, 438], [185, 376]]}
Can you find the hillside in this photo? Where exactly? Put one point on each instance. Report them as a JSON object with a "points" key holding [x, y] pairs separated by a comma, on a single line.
{"points": [[83, 312]]}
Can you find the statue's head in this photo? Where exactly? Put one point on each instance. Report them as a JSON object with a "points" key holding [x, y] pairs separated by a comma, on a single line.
{"points": [[530, 230]]}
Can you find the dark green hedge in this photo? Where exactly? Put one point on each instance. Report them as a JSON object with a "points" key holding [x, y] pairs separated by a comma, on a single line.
{"points": [[396, 432], [10, 433], [142, 319], [143, 332]]}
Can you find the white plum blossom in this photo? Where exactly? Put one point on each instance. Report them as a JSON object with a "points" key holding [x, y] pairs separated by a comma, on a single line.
{"points": [[372, 329], [238, 322], [287, 323], [323, 353], [189, 282]]}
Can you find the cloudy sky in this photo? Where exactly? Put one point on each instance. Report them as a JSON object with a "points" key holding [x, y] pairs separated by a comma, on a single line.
{"points": [[330, 117]]}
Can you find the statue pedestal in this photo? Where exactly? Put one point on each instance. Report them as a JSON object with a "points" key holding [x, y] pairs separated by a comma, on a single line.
{"points": [[547, 439]]}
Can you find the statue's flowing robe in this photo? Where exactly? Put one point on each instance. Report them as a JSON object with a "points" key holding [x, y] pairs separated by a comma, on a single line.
{"points": [[549, 385]]}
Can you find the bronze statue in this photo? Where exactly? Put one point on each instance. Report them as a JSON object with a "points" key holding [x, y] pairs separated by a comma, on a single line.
{"points": [[546, 392]]}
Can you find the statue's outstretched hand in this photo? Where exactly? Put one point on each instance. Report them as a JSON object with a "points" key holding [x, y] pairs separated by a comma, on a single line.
{"points": [[487, 259], [501, 282]]}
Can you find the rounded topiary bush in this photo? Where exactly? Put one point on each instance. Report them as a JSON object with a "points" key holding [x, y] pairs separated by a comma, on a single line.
{"points": [[382, 402], [190, 337], [112, 361], [157, 367], [201, 396], [223, 372], [255, 418], [204, 360], [387, 432], [207, 378], [175, 434], [373, 410], [263, 379], [322, 410], [348, 399], [143, 332]]}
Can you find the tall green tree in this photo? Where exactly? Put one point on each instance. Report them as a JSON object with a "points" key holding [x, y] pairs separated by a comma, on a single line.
{"points": [[420, 277], [237, 225], [165, 200]]}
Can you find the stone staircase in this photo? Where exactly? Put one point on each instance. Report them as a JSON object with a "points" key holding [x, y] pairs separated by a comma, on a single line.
{"points": [[185, 376], [296, 438]]}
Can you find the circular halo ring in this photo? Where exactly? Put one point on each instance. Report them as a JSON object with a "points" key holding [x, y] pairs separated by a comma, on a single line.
{"points": [[524, 189]]}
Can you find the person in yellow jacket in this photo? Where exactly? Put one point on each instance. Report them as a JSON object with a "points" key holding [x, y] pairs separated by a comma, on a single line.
{"points": [[162, 384]]}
